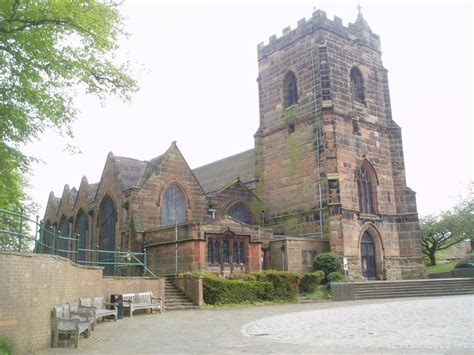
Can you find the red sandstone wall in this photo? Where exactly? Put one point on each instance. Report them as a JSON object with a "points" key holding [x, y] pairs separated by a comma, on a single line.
{"points": [[32, 284]]}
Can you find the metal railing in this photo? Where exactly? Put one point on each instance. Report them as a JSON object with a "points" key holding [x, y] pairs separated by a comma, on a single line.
{"points": [[20, 233]]}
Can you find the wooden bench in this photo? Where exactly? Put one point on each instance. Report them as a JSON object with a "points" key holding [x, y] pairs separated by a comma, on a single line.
{"points": [[142, 300], [69, 325], [100, 307]]}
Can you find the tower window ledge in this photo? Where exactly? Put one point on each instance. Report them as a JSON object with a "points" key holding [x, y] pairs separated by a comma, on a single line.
{"points": [[369, 217]]}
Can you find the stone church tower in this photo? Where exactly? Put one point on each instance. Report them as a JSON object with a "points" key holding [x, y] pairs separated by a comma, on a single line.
{"points": [[329, 157]]}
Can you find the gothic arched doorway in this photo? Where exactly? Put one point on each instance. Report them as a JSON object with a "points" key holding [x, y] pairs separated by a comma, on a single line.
{"points": [[367, 256]]}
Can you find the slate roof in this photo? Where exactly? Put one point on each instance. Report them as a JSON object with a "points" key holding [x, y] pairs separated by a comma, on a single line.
{"points": [[129, 171], [93, 190], [216, 175]]}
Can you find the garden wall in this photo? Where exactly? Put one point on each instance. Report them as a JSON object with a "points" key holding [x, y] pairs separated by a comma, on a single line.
{"points": [[31, 284]]}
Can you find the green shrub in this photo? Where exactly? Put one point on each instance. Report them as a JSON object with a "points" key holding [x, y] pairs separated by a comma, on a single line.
{"points": [[336, 277], [7, 346], [218, 291], [311, 281], [285, 284], [243, 277], [327, 262]]}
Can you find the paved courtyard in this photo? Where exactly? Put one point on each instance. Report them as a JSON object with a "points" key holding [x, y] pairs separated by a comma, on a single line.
{"points": [[442, 325]]}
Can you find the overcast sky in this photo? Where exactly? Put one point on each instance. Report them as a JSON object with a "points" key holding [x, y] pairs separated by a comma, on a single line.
{"points": [[198, 63]]}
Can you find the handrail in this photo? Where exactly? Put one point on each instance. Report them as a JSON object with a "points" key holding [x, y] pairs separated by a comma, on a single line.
{"points": [[18, 231]]}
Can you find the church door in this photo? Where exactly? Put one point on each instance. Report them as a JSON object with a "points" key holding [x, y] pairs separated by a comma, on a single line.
{"points": [[367, 254]]}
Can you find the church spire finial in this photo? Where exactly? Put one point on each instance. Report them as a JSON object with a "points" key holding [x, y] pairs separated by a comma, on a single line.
{"points": [[359, 8]]}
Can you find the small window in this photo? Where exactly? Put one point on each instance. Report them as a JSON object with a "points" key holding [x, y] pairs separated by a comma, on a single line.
{"points": [[290, 90], [357, 86], [304, 257]]}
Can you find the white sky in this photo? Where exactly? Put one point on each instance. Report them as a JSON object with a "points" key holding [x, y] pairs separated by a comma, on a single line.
{"points": [[199, 88]]}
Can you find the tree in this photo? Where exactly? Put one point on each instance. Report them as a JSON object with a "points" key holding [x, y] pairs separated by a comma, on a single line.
{"points": [[48, 50], [447, 229]]}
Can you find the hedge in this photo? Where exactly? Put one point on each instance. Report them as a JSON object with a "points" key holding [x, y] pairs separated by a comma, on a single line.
{"points": [[219, 291], [311, 281], [285, 284]]}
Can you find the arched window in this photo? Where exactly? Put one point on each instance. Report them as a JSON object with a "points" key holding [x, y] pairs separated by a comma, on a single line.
{"points": [[241, 254], [173, 206], [240, 213], [81, 230], [235, 253], [357, 86], [64, 241], [107, 221], [290, 91], [366, 188]]}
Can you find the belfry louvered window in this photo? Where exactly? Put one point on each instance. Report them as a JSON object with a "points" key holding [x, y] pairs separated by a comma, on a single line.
{"points": [[107, 222], [290, 90], [357, 86], [81, 231], [64, 235], [173, 206]]}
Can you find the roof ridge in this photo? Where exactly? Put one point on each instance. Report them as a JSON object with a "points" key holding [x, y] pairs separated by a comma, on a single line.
{"points": [[220, 160]]}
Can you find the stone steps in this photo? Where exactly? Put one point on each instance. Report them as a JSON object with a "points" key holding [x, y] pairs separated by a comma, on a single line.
{"points": [[175, 299], [413, 288]]}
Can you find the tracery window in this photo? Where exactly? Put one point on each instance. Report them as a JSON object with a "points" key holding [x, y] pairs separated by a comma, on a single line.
{"points": [[357, 86], [173, 206], [64, 244], [290, 90], [240, 213], [107, 222], [366, 188], [242, 253]]}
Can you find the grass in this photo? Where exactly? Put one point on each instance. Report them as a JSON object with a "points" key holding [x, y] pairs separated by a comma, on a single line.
{"points": [[441, 267], [320, 294]]}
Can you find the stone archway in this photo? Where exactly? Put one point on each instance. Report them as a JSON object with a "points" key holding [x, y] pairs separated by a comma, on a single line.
{"points": [[371, 253], [367, 257]]}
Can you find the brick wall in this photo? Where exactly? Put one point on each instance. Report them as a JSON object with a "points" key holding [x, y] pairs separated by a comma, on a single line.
{"points": [[32, 284]]}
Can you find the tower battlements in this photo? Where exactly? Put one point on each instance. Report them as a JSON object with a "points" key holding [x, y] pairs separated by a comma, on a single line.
{"points": [[358, 32]]}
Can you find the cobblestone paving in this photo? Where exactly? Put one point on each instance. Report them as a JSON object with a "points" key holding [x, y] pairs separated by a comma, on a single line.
{"points": [[435, 324]]}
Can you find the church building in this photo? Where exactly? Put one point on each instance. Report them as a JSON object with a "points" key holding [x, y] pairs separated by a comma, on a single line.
{"points": [[327, 173]]}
